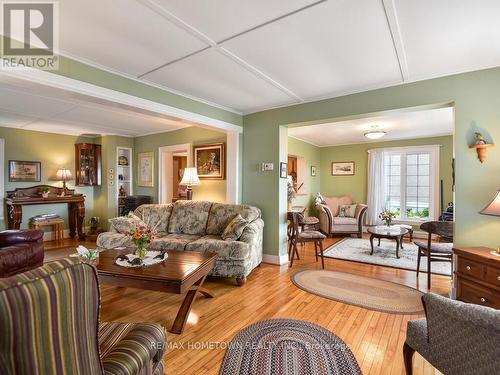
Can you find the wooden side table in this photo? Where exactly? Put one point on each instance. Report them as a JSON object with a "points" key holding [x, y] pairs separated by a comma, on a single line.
{"points": [[58, 227]]}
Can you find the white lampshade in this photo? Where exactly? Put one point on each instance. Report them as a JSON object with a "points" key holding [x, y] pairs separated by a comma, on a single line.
{"points": [[190, 177], [64, 174], [493, 208]]}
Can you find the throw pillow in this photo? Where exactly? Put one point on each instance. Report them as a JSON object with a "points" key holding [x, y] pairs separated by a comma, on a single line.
{"points": [[347, 210], [124, 224], [234, 229]]}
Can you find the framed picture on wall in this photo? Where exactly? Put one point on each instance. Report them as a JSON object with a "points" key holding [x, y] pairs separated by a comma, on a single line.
{"points": [[209, 161], [25, 171], [145, 164], [313, 170], [343, 168], [283, 170]]}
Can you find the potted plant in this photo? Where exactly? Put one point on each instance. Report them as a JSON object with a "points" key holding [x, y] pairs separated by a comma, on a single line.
{"points": [[45, 191]]}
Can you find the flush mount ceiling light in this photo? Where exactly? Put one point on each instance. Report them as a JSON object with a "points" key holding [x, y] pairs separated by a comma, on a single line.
{"points": [[375, 133]]}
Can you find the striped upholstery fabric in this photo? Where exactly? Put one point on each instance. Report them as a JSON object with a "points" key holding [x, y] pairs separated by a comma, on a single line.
{"points": [[49, 325]]}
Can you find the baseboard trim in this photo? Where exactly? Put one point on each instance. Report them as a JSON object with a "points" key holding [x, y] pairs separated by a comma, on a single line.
{"points": [[279, 260], [51, 235]]}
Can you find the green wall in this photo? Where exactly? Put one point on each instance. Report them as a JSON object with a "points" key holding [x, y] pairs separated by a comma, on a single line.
{"points": [[475, 97], [357, 185], [311, 155], [53, 151], [212, 190]]}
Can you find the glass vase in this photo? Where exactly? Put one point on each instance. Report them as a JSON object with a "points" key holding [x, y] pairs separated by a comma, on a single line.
{"points": [[141, 251]]}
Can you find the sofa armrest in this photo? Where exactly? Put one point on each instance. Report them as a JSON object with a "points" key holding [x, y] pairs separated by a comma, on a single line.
{"points": [[360, 214], [253, 235], [13, 237], [325, 216]]}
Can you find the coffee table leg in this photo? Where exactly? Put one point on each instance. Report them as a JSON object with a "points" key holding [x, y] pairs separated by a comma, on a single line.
{"points": [[398, 243], [401, 242], [184, 310], [371, 244]]}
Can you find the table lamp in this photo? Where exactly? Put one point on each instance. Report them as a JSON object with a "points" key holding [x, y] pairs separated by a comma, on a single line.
{"points": [[64, 175], [493, 209], [190, 179]]}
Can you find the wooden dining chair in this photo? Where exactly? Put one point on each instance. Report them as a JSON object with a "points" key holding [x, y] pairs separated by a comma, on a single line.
{"points": [[304, 237], [435, 251]]}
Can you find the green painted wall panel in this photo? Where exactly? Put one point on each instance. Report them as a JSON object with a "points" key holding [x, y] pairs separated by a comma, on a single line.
{"points": [[53, 151], [476, 100], [213, 190]]}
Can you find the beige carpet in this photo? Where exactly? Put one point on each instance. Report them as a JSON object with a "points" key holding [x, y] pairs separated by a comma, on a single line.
{"points": [[367, 292]]}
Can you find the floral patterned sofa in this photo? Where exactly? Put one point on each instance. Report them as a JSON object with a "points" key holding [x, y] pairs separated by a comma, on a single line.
{"points": [[197, 226]]}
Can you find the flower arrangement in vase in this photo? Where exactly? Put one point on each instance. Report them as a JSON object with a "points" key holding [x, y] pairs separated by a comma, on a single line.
{"points": [[142, 236], [387, 216]]}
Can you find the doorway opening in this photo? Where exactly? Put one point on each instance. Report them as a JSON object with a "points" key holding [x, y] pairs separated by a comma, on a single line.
{"points": [[171, 164]]}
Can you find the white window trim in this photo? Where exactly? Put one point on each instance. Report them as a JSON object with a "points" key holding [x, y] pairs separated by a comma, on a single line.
{"points": [[433, 150]]}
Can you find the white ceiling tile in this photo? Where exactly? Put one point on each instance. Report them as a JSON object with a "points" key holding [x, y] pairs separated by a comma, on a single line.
{"points": [[215, 77], [221, 19], [330, 49], [123, 35], [449, 36], [403, 125], [24, 103]]}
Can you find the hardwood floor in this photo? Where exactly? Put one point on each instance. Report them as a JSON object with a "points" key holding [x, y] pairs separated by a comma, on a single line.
{"points": [[376, 338]]}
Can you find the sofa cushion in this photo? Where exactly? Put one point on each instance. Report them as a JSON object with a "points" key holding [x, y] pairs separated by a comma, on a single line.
{"points": [[110, 240], [339, 220], [227, 250], [155, 216], [347, 210], [123, 224], [335, 202], [173, 241], [221, 215], [234, 229], [189, 217]]}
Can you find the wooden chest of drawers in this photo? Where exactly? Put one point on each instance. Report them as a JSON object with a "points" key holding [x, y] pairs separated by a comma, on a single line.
{"points": [[478, 276]]}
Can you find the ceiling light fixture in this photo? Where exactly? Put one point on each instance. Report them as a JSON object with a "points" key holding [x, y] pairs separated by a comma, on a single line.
{"points": [[375, 133]]}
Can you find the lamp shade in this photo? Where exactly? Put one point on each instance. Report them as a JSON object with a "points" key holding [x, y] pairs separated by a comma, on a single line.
{"points": [[64, 174], [190, 177], [493, 208]]}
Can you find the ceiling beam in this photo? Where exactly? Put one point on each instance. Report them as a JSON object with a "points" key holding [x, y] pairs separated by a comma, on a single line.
{"points": [[397, 39]]}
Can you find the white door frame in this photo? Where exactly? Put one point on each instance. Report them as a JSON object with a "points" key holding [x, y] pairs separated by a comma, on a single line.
{"points": [[165, 169]]}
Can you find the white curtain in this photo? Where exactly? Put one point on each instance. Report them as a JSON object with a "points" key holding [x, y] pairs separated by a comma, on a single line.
{"points": [[376, 185]]}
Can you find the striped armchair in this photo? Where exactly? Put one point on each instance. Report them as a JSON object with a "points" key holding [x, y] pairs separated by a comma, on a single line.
{"points": [[49, 319]]}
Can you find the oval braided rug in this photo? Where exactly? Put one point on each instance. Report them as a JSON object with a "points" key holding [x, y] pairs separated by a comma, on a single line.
{"points": [[287, 346], [367, 292]]}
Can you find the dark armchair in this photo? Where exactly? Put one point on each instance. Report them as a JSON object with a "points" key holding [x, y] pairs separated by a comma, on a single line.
{"points": [[50, 325], [455, 337], [20, 251]]}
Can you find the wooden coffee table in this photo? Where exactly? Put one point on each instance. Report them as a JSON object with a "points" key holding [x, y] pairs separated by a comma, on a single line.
{"points": [[392, 233], [183, 271]]}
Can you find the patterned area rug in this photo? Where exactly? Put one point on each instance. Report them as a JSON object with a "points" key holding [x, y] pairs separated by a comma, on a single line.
{"points": [[367, 292], [358, 250], [286, 346]]}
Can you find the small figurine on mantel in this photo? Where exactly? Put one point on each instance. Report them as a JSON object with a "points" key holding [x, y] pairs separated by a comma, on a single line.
{"points": [[479, 139], [122, 192]]}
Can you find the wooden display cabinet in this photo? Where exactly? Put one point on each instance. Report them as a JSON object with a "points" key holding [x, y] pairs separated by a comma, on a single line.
{"points": [[87, 164]]}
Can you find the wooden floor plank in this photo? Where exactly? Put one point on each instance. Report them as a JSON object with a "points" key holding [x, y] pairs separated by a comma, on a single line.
{"points": [[376, 338]]}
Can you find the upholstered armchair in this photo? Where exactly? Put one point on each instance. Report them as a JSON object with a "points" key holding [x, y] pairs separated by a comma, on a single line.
{"points": [[455, 337], [49, 319], [20, 251], [331, 223]]}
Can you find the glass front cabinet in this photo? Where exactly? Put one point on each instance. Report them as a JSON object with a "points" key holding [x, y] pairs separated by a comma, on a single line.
{"points": [[87, 164]]}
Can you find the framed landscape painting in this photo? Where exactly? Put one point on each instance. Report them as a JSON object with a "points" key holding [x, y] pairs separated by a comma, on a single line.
{"points": [[145, 165], [343, 168], [24, 171], [209, 161]]}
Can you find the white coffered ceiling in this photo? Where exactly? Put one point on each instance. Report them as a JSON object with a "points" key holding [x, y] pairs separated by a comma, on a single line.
{"points": [[249, 55], [397, 125], [54, 111]]}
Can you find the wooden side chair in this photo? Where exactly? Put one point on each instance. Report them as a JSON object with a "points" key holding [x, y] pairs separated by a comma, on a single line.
{"points": [[441, 251], [297, 237]]}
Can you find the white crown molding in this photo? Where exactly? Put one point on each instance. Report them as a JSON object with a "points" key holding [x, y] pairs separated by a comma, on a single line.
{"points": [[64, 83]]}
